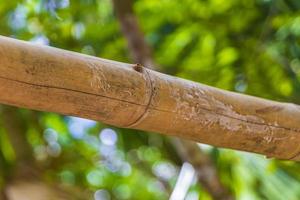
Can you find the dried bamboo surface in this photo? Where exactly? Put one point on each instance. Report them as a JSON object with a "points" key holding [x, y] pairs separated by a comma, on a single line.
{"points": [[131, 96]]}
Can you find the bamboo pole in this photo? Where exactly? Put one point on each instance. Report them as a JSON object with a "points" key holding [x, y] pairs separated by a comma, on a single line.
{"points": [[188, 151], [131, 96]]}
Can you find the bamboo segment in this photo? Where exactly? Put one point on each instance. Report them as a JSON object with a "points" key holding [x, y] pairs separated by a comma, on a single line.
{"points": [[131, 96]]}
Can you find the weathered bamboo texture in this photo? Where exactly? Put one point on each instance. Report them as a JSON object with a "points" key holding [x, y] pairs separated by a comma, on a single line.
{"points": [[126, 95], [188, 151]]}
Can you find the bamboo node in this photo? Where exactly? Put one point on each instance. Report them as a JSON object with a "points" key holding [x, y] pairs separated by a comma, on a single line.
{"points": [[150, 94]]}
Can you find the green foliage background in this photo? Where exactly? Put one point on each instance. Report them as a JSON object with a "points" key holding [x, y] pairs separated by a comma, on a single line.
{"points": [[248, 46]]}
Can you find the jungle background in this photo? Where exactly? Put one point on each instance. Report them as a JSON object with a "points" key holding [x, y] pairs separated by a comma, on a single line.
{"points": [[247, 46]]}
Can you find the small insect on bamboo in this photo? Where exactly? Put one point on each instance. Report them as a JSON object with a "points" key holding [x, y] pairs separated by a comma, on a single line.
{"points": [[138, 67]]}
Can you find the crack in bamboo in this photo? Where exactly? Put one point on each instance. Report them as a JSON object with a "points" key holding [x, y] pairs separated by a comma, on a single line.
{"points": [[148, 106]]}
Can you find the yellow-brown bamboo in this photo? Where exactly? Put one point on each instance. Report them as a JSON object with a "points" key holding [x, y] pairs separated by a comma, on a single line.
{"points": [[131, 96]]}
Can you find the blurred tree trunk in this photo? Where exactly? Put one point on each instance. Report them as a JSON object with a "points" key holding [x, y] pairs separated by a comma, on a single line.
{"points": [[138, 48], [15, 127], [24, 181], [187, 150]]}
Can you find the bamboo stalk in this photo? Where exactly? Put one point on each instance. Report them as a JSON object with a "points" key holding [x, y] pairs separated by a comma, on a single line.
{"points": [[188, 151], [131, 96]]}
